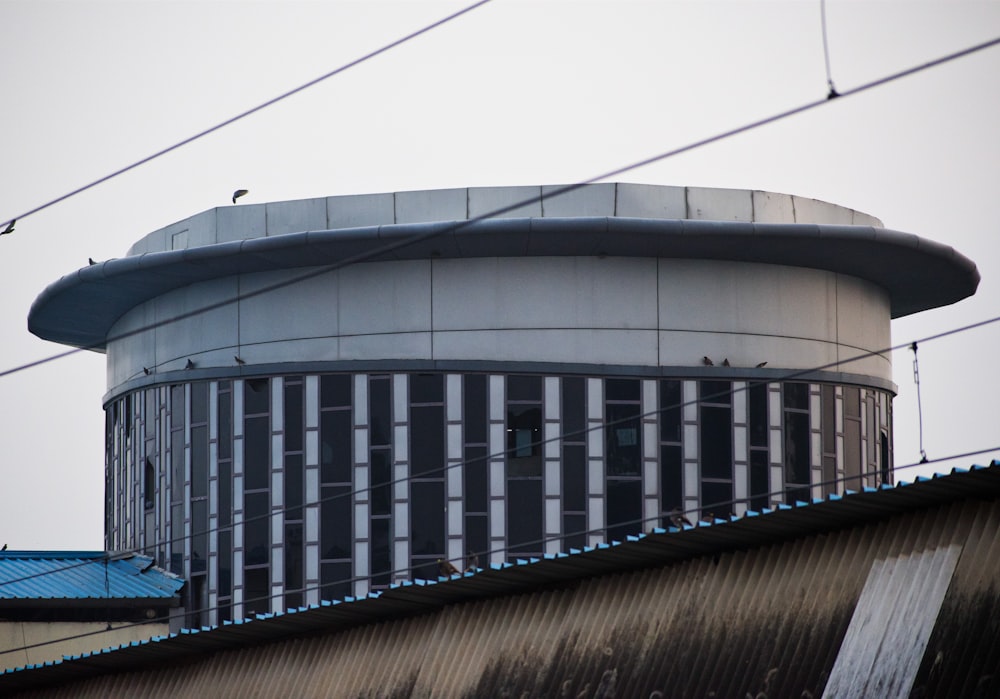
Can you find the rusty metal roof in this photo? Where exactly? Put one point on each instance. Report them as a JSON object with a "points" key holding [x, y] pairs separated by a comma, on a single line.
{"points": [[658, 550]]}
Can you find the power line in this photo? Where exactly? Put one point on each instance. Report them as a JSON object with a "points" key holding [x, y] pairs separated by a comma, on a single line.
{"points": [[360, 257], [543, 540], [274, 100]]}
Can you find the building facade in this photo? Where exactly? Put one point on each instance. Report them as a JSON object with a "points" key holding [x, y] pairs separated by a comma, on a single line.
{"points": [[317, 398]]}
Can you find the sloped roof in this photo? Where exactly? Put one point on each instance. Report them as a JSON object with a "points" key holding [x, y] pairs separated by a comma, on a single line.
{"points": [[80, 578], [655, 549]]}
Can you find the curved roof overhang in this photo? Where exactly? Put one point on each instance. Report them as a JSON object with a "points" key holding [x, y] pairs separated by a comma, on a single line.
{"points": [[81, 308]]}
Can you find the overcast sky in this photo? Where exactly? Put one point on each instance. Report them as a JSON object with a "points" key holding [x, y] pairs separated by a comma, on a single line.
{"points": [[514, 93]]}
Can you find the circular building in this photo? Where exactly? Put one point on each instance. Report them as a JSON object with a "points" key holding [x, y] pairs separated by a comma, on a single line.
{"points": [[312, 399]]}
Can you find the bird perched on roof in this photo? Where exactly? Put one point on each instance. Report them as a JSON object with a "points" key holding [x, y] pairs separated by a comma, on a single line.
{"points": [[239, 360], [9, 228], [707, 362], [446, 568], [189, 365], [725, 362], [678, 519], [471, 562], [239, 193], [90, 261], [4, 547], [762, 365]]}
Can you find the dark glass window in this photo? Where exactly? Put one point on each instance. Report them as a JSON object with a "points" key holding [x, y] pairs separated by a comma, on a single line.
{"points": [[474, 409], [335, 446], [622, 439], [427, 527], [177, 466], [225, 494], [256, 541], [256, 452], [477, 539], [335, 522], [225, 424], [335, 391], [256, 591], [476, 481], [426, 388], [336, 580], [524, 389], [797, 448], [716, 442], [256, 398], [716, 498], [621, 390], [427, 441], [381, 552], [151, 410], [381, 478], [574, 409], [149, 485], [199, 461], [199, 536], [380, 411], [293, 556], [524, 433], [624, 508], [759, 498], [716, 392], [670, 411], [757, 406], [524, 515], [176, 407], [796, 396], [199, 403], [575, 534], [574, 477], [293, 487], [671, 477], [293, 417], [225, 563]]}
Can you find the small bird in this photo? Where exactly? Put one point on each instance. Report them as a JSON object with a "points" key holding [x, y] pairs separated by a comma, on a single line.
{"points": [[239, 193], [471, 562], [189, 365], [707, 362], [762, 365], [90, 261], [145, 370], [725, 362], [446, 568], [9, 228], [238, 359], [4, 547], [678, 519]]}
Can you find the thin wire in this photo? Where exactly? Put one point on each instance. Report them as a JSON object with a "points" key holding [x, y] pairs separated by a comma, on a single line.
{"points": [[920, 409], [539, 443], [492, 214], [254, 110], [826, 52], [396, 571]]}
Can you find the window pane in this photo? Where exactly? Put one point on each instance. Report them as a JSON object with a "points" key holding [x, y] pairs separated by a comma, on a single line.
{"points": [[671, 479], [293, 556], [426, 388], [621, 389], [381, 475], [623, 444], [796, 395], [427, 518], [474, 409], [335, 522], [256, 589], [335, 391], [256, 527], [225, 563], [477, 538], [335, 446], [293, 417], [852, 401], [336, 580], [574, 409], [476, 479], [256, 398], [225, 425], [524, 516], [176, 407], [199, 536], [256, 452], [427, 441], [524, 432], [759, 498], [380, 411], [716, 442], [293, 487], [381, 552], [574, 477], [574, 534], [670, 411], [758, 414], [716, 392], [624, 509], [199, 403], [716, 499], [524, 388], [199, 461], [797, 447], [225, 494]]}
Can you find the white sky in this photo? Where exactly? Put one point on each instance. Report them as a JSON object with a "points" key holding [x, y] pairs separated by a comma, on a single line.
{"points": [[516, 92]]}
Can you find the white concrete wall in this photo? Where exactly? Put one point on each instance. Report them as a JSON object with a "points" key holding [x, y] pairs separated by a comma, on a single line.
{"points": [[614, 310], [15, 635]]}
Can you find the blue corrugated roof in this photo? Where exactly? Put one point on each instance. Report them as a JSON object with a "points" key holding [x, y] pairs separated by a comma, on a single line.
{"points": [[83, 575]]}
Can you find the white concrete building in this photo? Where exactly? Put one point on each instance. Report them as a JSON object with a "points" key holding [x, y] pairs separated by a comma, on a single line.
{"points": [[311, 399]]}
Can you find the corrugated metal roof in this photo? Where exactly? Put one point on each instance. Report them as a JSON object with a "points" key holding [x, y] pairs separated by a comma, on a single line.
{"points": [[28, 577], [738, 568]]}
